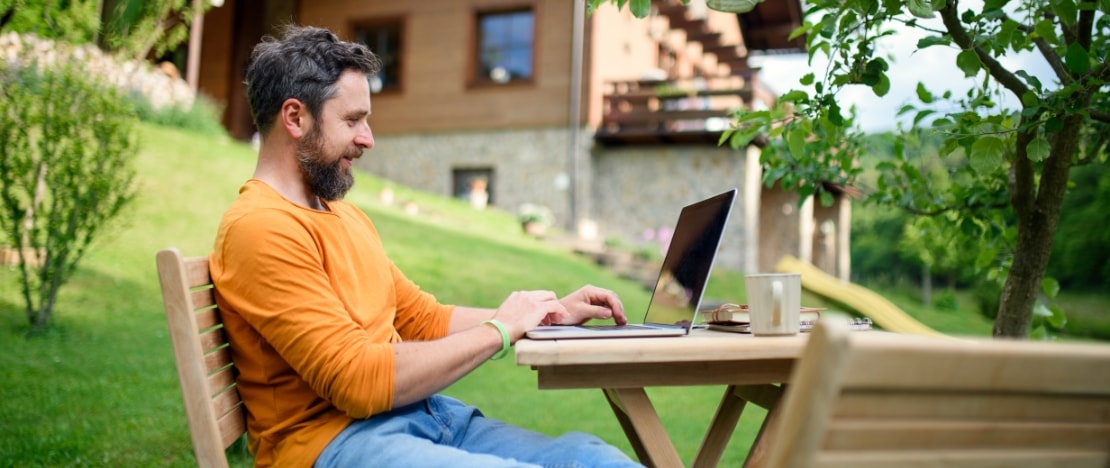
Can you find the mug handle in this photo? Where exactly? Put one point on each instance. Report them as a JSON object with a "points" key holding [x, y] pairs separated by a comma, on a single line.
{"points": [[776, 315]]}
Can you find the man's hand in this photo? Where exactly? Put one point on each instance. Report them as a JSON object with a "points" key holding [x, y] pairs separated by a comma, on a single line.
{"points": [[589, 302], [523, 310]]}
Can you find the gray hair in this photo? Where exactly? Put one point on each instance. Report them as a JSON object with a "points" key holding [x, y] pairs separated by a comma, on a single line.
{"points": [[304, 64]]}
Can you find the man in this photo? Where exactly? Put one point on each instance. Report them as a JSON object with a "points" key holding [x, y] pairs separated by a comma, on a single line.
{"points": [[340, 355]]}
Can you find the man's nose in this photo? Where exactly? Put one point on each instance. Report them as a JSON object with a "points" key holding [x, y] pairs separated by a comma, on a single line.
{"points": [[365, 137]]}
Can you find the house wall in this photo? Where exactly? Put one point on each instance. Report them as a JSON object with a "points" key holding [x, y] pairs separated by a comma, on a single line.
{"points": [[438, 94], [638, 191], [529, 165]]}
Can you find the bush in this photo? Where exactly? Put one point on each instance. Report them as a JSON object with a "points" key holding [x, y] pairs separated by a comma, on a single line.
{"points": [[203, 116], [66, 169]]}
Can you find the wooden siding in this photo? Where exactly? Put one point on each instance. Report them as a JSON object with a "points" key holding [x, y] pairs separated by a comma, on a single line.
{"points": [[439, 36]]}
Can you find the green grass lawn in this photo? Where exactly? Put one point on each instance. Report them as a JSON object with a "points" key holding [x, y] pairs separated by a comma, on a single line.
{"points": [[100, 388]]}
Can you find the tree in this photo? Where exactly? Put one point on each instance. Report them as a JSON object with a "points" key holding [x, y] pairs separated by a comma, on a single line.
{"points": [[133, 28], [65, 172], [1009, 170]]}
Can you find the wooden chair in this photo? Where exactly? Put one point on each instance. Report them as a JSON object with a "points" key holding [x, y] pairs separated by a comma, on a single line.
{"points": [[909, 401], [212, 405]]}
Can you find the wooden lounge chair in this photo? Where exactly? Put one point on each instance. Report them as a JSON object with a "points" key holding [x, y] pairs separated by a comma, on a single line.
{"points": [[212, 405], [907, 401]]}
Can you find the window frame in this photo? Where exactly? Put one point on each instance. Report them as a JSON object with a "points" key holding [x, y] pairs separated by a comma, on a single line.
{"points": [[401, 23], [474, 77]]}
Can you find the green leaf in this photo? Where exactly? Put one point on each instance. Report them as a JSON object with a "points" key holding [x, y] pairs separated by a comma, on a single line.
{"points": [[1066, 10], [923, 94], [1058, 318], [1076, 59], [807, 79], [1045, 28], [729, 6], [920, 8], [969, 62], [986, 154], [826, 198], [1050, 287], [882, 87], [800, 31], [930, 41], [640, 8], [794, 95], [1005, 36], [1038, 149], [1029, 99], [1054, 125], [797, 141]]}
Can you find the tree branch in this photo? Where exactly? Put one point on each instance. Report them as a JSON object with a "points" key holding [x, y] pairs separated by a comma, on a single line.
{"points": [[1101, 116], [1054, 61], [949, 15], [1085, 24]]}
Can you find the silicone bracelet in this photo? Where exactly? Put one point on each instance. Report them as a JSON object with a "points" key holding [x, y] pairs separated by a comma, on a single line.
{"points": [[504, 338]]}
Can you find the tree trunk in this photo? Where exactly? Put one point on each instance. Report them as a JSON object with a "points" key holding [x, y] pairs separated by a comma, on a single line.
{"points": [[1037, 216]]}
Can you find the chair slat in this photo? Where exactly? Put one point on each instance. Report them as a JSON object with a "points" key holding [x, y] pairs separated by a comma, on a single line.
{"points": [[196, 271], [217, 359], [1029, 458], [226, 401], [1036, 407], [220, 381], [232, 426], [212, 339], [203, 298], [207, 318], [956, 365], [890, 434]]}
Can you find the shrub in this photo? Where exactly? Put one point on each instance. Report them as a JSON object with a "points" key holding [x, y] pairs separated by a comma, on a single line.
{"points": [[203, 116], [66, 169]]}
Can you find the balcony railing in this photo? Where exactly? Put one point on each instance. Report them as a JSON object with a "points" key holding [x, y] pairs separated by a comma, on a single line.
{"points": [[677, 111]]}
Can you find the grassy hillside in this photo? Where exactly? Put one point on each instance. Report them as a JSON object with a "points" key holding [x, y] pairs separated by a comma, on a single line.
{"points": [[100, 389]]}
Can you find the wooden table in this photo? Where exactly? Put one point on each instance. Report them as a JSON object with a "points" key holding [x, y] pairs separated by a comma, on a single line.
{"points": [[749, 366]]}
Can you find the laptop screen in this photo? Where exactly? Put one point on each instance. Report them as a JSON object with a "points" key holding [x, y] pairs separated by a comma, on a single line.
{"points": [[688, 261]]}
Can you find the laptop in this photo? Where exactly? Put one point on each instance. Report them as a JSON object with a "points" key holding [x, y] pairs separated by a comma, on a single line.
{"points": [[673, 308]]}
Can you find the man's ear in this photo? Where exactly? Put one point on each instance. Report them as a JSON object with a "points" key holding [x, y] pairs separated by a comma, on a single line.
{"points": [[294, 118]]}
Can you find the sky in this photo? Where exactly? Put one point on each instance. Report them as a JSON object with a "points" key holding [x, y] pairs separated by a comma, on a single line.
{"points": [[933, 66]]}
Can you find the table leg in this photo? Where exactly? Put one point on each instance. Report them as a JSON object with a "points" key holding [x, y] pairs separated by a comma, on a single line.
{"points": [[720, 430], [642, 426], [758, 455]]}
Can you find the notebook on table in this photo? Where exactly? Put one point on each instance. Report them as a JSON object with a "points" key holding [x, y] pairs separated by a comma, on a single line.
{"points": [[678, 289]]}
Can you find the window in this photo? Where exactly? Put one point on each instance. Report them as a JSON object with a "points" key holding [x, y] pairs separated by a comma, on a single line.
{"points": [[383, 37], [505, 41], [474, 185]]}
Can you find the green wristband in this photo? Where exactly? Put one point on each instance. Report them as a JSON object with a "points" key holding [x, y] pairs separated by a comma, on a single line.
{"points": [[504, 338]]}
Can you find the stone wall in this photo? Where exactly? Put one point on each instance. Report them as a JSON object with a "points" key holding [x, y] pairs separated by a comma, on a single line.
{"points": [[529, 166], [632, 193], [638, 192], [161, 86]]}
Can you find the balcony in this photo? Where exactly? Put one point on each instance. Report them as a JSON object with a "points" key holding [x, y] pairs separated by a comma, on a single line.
{"points": [[690, 111]]}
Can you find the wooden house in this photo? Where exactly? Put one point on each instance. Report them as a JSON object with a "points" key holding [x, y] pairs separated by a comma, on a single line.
{"points": [[609, 121]]}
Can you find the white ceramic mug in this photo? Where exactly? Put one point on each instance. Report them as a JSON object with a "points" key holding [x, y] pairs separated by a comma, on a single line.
{"points": [[774, 303]]}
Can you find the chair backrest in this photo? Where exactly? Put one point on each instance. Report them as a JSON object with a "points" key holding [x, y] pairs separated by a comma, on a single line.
{"points": [[897, 400], [212, 405]]}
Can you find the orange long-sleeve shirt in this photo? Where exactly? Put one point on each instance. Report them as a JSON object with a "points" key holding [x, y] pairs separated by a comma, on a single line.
{"points": [[311, 303]]}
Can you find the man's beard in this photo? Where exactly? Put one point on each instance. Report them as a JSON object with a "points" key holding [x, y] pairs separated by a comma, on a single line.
{"points": [[325, 180]]}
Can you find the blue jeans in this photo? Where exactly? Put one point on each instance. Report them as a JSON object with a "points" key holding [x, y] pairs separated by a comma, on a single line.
{"points": [[442, 431]]}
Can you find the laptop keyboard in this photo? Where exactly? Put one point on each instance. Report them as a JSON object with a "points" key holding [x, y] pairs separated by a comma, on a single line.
{"points": [[620, 327]]}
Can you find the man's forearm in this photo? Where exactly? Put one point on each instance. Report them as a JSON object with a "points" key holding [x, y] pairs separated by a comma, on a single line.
{"points": [[423, 368], [465, 318]]}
